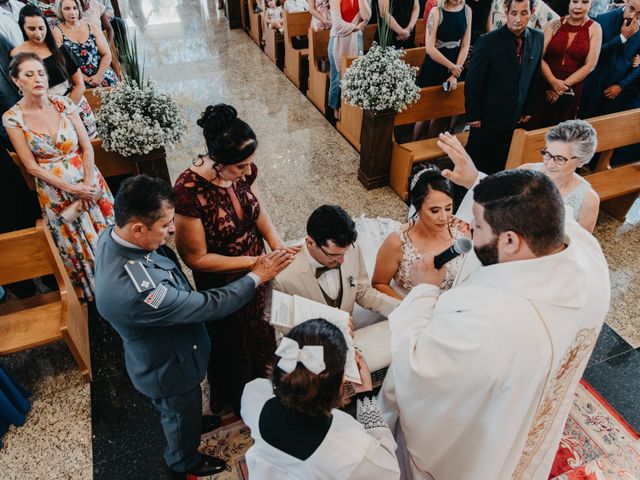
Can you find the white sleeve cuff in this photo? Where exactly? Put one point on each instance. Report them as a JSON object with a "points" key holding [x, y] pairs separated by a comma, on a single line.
{"points": [[623, 39], [254, 277]]}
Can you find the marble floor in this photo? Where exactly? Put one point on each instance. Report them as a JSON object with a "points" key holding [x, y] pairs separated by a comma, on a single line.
{"points": [[107, 430]]}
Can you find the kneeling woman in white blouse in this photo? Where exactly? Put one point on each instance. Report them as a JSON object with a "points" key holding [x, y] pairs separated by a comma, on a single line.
{"points": [[298, 431]]}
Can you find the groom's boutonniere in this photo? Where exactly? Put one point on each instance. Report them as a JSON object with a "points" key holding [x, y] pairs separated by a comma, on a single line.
{"points": [[352, 281]]}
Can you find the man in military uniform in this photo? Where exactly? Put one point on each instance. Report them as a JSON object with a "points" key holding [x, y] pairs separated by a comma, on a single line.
{"points": [[150, 303]]}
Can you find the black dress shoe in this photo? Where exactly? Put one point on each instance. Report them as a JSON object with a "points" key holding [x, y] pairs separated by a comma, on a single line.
{"points": [[208, 466], [209, 423]]}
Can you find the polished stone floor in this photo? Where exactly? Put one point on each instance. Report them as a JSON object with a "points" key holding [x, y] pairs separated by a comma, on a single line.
{"points": [[106, 430]]}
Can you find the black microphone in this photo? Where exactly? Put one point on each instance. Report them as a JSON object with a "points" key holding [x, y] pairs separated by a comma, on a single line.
{"points": [[460, 246]]}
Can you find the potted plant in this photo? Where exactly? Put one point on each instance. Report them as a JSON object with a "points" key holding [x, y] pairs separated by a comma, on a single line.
{"points": [[136, 120], [381, 84]]}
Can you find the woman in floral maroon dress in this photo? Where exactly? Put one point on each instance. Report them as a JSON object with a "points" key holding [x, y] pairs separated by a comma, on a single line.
{"points": [[220, 232]]}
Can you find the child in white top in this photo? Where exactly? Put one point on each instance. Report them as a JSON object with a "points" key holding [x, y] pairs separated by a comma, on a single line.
{"points": [[273, 16]]}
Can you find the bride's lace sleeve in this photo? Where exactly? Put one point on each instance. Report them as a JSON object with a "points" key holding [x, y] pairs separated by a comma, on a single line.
{"points": [[368, 412]]}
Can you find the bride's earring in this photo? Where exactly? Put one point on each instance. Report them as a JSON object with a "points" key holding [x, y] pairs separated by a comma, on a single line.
{"points": [[20, 92]]}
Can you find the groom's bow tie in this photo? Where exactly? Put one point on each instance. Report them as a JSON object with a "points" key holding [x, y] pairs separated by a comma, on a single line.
{"points": [[321, 270]]}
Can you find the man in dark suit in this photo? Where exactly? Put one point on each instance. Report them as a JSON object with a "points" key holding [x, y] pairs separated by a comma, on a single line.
{"points": [[500, 85], [614, 85], [150, 303]]}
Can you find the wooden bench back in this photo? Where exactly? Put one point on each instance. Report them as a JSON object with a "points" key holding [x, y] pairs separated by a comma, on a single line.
{"points": [[434, 102], [24, 256], [420, 30], [318, 45], [414, 56], [296, 25], [93, 97], [614, 130], [368, 36], [110, 164]]}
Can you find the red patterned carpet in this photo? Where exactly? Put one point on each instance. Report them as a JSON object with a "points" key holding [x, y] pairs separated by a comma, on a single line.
{"points": [[597, 444]]}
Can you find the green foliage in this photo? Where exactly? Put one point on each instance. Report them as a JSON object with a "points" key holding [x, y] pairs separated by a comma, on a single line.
{"points": [[384, 29], [127, 50]]}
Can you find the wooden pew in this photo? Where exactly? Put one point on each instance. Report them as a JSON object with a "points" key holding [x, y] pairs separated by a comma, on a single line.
{"points": [[47, 317], [618, 187], [368, 36], [93, 97], [318, 81], [255, 23], [420, 31], [296, 59], [274, 45], [350, 123], [434, 103]]}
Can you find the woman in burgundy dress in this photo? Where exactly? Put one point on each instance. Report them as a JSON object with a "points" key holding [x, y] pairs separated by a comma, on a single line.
{"points": [[220, 232], [571, 49]]}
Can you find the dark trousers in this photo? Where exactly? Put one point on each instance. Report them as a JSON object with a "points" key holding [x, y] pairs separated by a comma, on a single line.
{"points": [[181, 419], [489, 148]]}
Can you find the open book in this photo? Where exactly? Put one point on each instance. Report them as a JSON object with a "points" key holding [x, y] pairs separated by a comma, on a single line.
{"points": [[287, 311]]}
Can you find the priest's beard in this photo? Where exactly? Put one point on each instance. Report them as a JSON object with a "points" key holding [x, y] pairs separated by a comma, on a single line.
{"points": [[488, 253]]}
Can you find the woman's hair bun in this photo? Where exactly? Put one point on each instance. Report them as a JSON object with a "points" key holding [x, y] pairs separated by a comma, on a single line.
{"points": [[216, 118]]}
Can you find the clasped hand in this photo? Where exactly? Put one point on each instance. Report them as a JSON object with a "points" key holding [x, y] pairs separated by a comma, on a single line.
{"points": [[365, 375], [424, 271], [628, 30]]}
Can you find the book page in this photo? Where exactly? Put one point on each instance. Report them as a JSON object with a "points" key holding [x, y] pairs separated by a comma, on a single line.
{"points": [[282, 310], [305, 309]]}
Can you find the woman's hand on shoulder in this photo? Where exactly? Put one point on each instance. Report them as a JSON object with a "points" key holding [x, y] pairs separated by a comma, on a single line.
{"points": [[293, 249]]}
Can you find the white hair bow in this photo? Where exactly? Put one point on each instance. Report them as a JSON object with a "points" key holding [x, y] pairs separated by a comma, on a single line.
{"points": [[290, 353]]}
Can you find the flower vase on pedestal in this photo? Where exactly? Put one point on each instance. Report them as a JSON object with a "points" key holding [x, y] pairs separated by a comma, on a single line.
{"points": [[153, 164], [376, 141]]}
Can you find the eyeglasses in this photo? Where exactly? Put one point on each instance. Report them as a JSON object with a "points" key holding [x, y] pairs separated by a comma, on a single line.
{"points": [[335, 255], [557, 159]]}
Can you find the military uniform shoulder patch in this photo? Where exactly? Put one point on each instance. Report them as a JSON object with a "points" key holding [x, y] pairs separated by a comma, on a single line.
{"points": [[154, 299], [139, 276]]}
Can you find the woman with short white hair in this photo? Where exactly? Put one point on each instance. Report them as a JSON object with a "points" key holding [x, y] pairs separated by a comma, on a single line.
{"points": [[569, 146]]}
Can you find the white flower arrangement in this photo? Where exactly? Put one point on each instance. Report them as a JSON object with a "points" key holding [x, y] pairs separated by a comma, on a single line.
{"points": [[134, 120], [380, 80]]}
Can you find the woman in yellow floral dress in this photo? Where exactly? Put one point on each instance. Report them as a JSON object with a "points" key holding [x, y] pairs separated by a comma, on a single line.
{"points": [[54, 147]]}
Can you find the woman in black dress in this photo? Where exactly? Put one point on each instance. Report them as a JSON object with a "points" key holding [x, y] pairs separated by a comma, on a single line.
{"points": [[402, 19], [447, 39]]}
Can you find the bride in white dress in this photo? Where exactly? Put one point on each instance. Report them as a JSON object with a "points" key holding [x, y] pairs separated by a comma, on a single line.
{"points": [[431, 229]]}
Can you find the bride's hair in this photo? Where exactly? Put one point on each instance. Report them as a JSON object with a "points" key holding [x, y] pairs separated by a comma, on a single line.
{"points": [[424, 181], [229, 139]]}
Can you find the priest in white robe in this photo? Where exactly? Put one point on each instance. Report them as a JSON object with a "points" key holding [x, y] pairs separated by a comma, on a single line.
{"points": [[483, 375]]}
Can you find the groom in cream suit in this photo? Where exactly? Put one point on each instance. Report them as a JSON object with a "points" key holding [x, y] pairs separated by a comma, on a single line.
{"points": [[330, 268]]}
